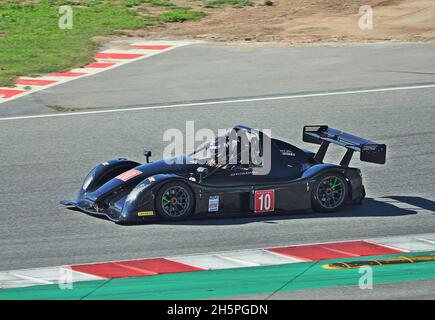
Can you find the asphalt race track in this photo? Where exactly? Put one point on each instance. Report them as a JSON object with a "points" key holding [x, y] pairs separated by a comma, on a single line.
{"points": [[43, 160]]}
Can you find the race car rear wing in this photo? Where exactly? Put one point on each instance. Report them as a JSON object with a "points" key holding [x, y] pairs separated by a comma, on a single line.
{"points": [[369, 151]]}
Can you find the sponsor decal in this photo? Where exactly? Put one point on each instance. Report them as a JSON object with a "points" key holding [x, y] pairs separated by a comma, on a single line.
{"points": [[368, 147], [151, 179], [264, 200], [129, 174], [243, 173], [145, 213], [287, 153], [213, 204]]}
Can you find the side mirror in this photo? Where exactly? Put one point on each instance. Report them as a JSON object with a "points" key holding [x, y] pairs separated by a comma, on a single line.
{"points": [[147, 154], [202, 172]]}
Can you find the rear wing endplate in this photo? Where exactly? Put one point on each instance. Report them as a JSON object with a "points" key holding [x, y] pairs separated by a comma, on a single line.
{"points": [[369, 151]]}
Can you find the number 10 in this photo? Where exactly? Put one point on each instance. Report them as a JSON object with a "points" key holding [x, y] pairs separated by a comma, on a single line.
{"points": [[264, 200]]}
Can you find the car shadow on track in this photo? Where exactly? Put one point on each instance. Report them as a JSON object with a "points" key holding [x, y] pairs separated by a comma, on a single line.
{"points": [[388, 206], [380, 207], [420, 202]]}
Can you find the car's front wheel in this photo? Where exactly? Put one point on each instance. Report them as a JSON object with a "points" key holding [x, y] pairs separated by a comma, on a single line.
{"points": [[175, 201], [329, 192]]}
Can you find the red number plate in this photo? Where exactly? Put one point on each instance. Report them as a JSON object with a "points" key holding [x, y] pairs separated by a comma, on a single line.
{"points": [[264, 200]]}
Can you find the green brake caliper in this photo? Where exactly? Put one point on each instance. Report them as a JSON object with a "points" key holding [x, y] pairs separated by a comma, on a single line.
{"points": [[335, 184], [165, 202]]}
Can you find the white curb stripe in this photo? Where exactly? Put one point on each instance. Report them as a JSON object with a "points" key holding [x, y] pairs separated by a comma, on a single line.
{"points": [[235, 259], [40, 276], [412, 243], [30, 280]]}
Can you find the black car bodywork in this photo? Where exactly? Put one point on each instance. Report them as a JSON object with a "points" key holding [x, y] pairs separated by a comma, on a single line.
{"points": [[128, 192]]}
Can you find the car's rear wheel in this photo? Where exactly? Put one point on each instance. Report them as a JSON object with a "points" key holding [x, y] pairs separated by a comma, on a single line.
{"points": [[329, 192], [175, 201]]}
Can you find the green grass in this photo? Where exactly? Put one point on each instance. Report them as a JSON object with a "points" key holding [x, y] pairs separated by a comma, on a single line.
{"points": [[180, 15], [152, 3], [132, 3], [160, 3], [219, 3], [31, 42]]}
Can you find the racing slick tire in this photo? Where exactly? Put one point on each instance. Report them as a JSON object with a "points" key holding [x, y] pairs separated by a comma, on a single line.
{"points": [[175, 201], [330, 192]]}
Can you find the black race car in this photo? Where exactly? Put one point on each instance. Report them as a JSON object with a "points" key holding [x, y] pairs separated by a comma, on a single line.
{"points": [[279, 178]]}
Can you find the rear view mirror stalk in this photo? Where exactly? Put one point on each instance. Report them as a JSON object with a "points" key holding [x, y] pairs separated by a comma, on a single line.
{"points": [[147, 154]]}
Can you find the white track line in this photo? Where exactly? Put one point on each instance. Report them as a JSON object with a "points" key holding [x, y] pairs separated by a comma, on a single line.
{"points": [[229, 101]]}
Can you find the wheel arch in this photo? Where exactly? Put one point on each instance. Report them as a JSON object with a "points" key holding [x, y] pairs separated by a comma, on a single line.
{"points": [[106, 171], [171, 179], [324, 170]]}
